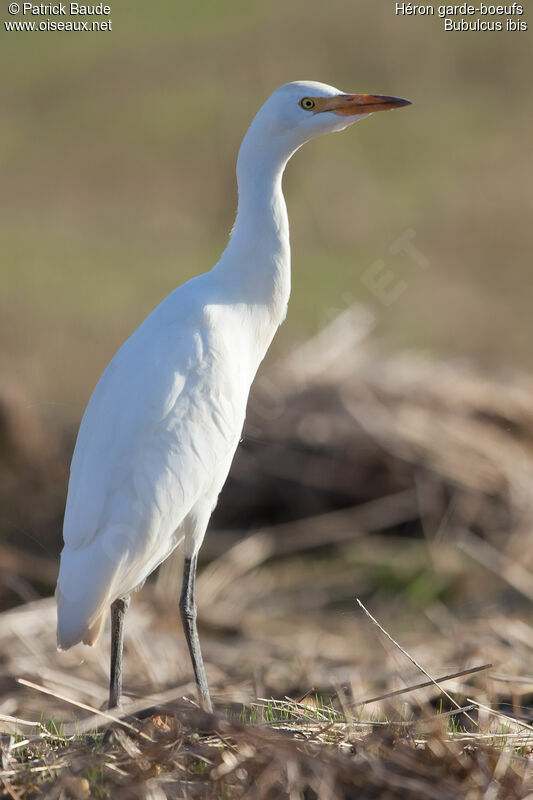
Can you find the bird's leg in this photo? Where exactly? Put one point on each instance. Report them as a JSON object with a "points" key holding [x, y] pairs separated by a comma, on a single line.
{"points": [[118, 612], [188, 617]]}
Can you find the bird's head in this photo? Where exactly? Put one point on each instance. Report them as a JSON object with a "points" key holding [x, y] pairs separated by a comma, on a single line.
{"points": [[299, 111]]}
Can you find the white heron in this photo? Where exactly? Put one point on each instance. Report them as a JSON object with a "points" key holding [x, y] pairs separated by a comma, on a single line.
{"points": [[160, 431]]}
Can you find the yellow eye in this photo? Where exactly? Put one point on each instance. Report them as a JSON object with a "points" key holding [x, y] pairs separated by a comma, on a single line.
{"points": [[307, 103]]}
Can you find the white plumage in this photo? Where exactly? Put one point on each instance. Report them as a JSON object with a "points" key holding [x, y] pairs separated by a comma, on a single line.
{"points": [[153, 452], [160, 431]]}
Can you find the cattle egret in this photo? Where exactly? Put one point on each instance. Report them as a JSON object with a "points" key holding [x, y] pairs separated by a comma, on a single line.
{"points": [[160, 431]]}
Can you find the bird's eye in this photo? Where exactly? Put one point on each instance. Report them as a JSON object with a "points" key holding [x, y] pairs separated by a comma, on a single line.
{"points": [[307, 103]]}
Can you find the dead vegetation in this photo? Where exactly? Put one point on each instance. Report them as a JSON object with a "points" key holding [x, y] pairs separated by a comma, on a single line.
{"points": [[391, 478]]}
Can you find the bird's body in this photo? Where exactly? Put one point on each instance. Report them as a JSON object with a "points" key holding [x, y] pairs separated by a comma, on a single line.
{"points": [[160, 431], [143, 478]]}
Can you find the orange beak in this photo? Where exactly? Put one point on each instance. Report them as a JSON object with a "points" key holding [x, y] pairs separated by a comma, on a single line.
{"points": [[348, 105]]}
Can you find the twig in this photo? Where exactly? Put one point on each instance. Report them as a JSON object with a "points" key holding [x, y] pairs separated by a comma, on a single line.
{"points": [[413, 661], [137, 707], [424, 685], [17, 721], [308, 692], [455, 711], [10, 789], [512, 720], [78, 704], [13, 773]]}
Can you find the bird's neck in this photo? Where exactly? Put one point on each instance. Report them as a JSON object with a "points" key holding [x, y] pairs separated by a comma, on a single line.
{"points": [[258, 253]]}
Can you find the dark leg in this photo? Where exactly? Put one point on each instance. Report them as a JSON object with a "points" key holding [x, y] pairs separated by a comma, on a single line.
{"points": [[188, 617], [118, 612]]}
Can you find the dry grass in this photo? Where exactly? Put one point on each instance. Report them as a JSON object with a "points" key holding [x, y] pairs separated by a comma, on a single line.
{"points": [[394, 479], [328, 744]]}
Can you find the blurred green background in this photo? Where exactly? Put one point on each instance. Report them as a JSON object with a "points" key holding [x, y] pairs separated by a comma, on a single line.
{"points": [[117, 153]]}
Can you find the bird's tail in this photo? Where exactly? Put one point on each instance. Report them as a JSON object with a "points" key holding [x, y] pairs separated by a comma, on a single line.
{"points": [[83, 594], [71, 629]]}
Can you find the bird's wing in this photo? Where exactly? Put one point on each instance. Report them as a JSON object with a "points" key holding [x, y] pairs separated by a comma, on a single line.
{"points": [[153, 451], [159, 423]]}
